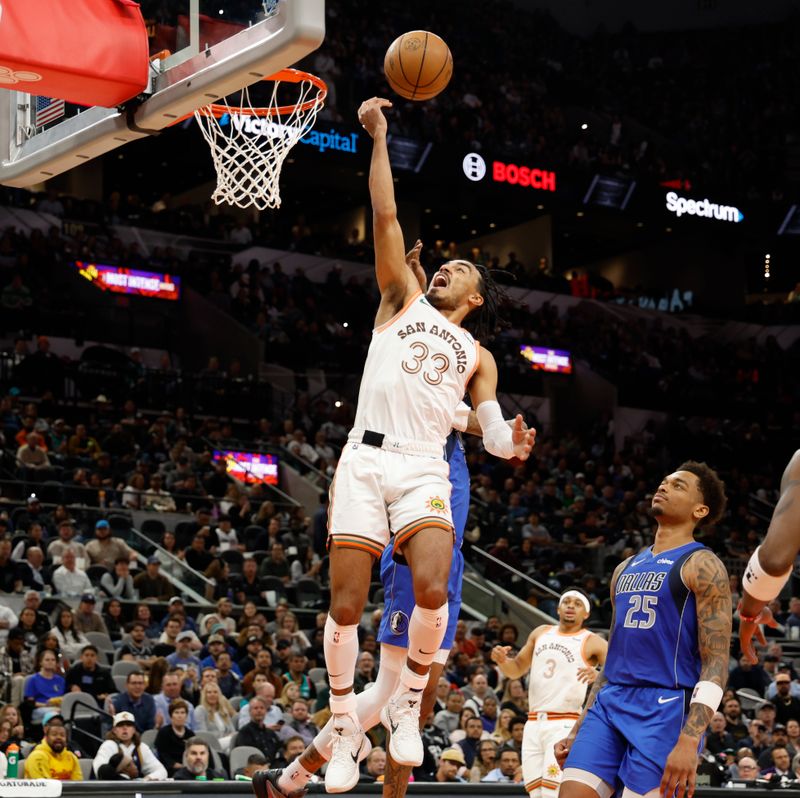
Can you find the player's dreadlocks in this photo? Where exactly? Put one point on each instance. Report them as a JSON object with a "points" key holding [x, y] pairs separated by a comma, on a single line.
{"points": [[484, 322]]}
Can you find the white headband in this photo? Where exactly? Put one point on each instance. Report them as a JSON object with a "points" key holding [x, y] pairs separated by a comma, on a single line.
{"points": [[574, 594]]}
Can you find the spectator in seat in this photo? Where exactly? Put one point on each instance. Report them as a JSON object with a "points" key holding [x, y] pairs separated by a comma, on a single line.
{"points": [[182, 656], [124, 738], [780, 739], [718, 739], [10, 576], [255, 733], [787, 707], [51, 759], [732, 710], [197, 556], [374, 767], [137, 702], [86, 676], [748, 769], [152, 584], [448, 718], [365, 671], [781, 764], [196, 766], [45, 689], [156, 498], [69, 579], [300, 725], [120, 583], [137, 648], [82, 445], [87, 619], [32, 572], [106, 549], [265, 691], [171, 738], [214, 714], [16, 662], [509, 768], [32, 454], [171, 686], [248, 586], [66, 540], [70, 640], [450, 762]]}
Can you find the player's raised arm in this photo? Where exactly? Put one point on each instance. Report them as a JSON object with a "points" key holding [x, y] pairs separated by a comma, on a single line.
{"points": [[707, 578], [771, 563], [395, 281], [498, 438], [514, 667]]}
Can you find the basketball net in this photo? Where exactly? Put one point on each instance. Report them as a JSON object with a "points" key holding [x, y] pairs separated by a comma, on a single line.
{"points": [[249, 144]]}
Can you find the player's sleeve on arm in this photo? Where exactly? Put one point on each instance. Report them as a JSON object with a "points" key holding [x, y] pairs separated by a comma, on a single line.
{"points": [[497, 438]]}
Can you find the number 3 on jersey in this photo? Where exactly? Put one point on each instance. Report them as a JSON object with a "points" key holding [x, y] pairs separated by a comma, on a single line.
{"points": [[646, 607], [419, 354]]}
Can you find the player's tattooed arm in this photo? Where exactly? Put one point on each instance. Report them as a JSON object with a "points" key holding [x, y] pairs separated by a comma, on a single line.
{"points": [[706, 576], [395, 779]]}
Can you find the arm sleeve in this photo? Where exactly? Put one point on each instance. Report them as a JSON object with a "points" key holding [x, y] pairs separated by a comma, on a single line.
{"points": [[497, 438]]}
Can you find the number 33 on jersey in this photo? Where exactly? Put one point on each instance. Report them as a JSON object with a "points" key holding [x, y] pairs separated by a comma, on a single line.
{"points": [[422, 363]]}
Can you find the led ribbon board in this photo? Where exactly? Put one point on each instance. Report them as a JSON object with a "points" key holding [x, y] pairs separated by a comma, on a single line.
{"points": [[556, 361], [120, 280], [249, 467]]}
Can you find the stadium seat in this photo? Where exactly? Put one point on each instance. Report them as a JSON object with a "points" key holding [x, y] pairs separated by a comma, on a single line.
{"points": [[124, 667], [255, 538], [307, 592], [153, 529], [234, 559], [149, 737]]}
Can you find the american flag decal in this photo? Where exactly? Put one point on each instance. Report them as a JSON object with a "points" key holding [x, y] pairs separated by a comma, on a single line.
{"points": [[48, 109]]}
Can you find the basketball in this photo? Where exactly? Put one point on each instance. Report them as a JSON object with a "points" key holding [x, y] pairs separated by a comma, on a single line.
{"points": [[418, 65]]}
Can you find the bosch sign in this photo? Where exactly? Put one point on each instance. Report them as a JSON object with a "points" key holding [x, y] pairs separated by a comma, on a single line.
{"points": [[710, 210], [474, 167]]}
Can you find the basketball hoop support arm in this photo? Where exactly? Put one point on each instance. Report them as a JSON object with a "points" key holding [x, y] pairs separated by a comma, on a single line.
{"points": [[296, 30]]}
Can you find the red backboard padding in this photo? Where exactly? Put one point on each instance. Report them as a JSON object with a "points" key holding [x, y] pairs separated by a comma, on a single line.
{"points": [[90, 52]]}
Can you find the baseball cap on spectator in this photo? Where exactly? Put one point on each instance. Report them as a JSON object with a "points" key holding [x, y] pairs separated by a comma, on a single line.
{"points": [[453, 755], [33, 499], [17, 633], [66, 522], [185, 635], [284, 644], [216, 639], [90, 597], [175, 600], [124, 717], [102, 524], [153, 560], [52, 715], [251, 639]]}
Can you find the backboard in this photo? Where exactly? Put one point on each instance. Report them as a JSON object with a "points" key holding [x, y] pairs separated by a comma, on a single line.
{"points": [[201, 50]]}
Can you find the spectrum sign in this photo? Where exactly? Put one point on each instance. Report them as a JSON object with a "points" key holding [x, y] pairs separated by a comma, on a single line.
{"points": [[120, 280], [475, 169], [704, 207], [556, 361]]}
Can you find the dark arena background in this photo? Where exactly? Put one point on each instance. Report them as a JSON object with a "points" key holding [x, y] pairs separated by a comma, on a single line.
{"points": [[178, 377]]}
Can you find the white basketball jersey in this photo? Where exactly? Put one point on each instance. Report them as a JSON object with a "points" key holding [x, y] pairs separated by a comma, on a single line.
{"points": [[417, 370], [553, 683]]}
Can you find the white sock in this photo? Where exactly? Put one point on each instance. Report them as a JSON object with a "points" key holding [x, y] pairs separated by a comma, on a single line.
{"points": [[294, 777], [426, 631], [341, 653]]}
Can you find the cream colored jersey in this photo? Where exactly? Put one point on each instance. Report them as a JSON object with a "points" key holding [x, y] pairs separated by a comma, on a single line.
{"points": [[553, 683], [417, 370]]}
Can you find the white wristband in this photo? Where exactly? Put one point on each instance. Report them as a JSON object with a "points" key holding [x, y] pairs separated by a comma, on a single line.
{"points": [[759, 584], [708, 693], [497, 439], [461, 418]]}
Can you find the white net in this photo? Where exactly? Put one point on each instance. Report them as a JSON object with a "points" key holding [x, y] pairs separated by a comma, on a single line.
{"points": [[249, 144]]}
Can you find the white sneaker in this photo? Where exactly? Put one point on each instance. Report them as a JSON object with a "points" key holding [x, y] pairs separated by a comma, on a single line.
{"points": [[401, 718], [349, 746]]}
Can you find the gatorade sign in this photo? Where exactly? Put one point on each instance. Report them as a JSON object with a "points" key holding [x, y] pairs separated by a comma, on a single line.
{"points": [[475, 169], [30, 788], [704, 207]]}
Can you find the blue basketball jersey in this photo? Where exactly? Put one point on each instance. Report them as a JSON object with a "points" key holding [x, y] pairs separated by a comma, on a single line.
{"points": [[396, 578], [654, 639]]}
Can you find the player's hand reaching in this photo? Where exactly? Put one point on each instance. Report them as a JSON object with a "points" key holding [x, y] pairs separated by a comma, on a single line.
{"points": [[522, 438], [561, 751], [587, 675], [752, 629], [413, 263], [370, 114], [500, 654], [680, 772]]}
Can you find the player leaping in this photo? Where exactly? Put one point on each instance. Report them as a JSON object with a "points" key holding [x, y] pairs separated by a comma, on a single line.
{"points": [[667, 662], [771, 564], [391, 481]]}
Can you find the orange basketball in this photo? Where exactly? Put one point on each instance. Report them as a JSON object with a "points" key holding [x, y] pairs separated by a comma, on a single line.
{"points": [[418, 65]]}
